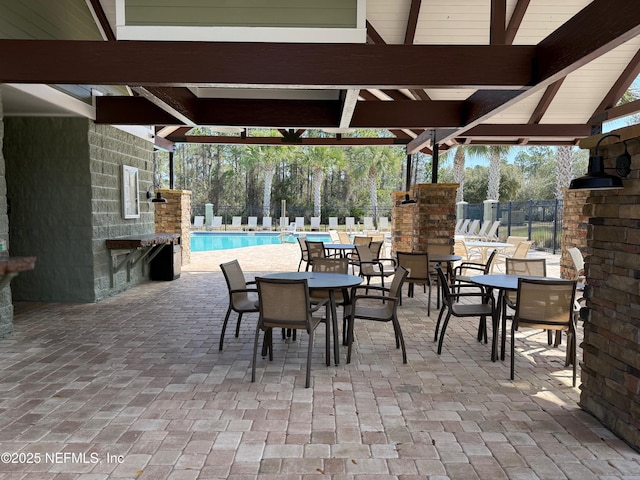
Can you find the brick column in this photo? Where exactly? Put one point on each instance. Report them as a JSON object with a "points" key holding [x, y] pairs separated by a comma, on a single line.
{"points": [[429, 221], [610, 387], [175, 217], [574, 229]]}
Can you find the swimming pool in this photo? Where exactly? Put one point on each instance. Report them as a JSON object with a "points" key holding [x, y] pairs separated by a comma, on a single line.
{"points": [[207, 241]]}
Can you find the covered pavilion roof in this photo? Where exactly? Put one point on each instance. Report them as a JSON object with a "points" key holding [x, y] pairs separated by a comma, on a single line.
{"points": [[512, 72]]}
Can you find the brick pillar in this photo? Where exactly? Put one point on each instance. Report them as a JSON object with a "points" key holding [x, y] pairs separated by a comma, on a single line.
{"points": [[429, 221], [574, 229], [610, 387], [175, 217]]}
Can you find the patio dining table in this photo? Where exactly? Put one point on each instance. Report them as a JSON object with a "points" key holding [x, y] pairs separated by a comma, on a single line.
{"points": [[485, 247], [325, 281], [503, 283]]}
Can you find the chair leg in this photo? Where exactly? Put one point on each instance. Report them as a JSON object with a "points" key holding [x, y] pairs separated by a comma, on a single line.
{"points": [[513, 349], [350, 337], [238, 324], [308, 377], [255, 353], [327, 322], [429, 302], [435, 335], [399, 336], [444, 329], [224, 327]]}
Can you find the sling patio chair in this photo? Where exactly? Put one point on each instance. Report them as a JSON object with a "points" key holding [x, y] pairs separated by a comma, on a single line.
{"points": [[241, 298], [549, 305], [417, 264], [286, 304], [379, 307]]}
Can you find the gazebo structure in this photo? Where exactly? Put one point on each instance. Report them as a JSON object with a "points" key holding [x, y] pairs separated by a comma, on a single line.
{"points": [[89, 88]]}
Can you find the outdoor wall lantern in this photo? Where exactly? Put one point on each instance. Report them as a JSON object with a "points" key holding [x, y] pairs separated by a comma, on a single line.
{"points": [[158, 198], [596, 178], [407, 198]]}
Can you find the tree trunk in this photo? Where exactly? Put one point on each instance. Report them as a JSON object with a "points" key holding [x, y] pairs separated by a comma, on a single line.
{"points": [[269, 172], [373, 193], [493, 192], [458, 172], [564, 170], [318, 178]]}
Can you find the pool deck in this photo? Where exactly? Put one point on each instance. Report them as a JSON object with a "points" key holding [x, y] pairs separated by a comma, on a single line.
{"points": [[138, 380]]}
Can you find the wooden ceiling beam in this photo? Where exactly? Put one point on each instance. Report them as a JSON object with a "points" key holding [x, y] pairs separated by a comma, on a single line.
{"points": [[624, 81], [515, 21], [284, 140], [497, 24], [545, 101], [177, 102], [336, 66]]}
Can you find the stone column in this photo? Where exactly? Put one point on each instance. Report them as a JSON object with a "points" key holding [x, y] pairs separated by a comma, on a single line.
{"points": [[174, 216], [208, 214], [490, 209], [429, 221], [574, 228]]}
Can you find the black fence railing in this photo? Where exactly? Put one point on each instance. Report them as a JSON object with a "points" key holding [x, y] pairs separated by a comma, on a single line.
{"points": [[538, 220]]}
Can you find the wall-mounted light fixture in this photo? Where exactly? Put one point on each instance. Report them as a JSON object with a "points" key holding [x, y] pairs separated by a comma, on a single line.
{"points": [[158, 198], [407, 198], [596, 178]]}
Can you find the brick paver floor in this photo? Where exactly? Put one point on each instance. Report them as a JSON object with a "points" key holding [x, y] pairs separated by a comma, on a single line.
{"points": [[134, 387]]}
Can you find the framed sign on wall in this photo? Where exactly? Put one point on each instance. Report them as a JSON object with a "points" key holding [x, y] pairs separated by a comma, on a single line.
{"points": [[130, 192]]}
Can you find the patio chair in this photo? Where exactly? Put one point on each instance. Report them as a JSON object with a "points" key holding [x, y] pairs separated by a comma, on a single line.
{"points": [[492, 233], [267, 223], [372, 266], [520, 250], [304, 252], [461, 310], [315, 224], [198, 221], [236, 223], [463, 272], [481, 233], [368, 223], [315, 250], [335, 238], [417, 264], [546, 304], [240, 300], [458, 226], [473, 228], [353, 255], [333, 223], [286, 304], [300, 223], [350, 224], [344, 238], [464, 226], [252, 223], [383, 224], [381, 307], [217, 223], [578, 263]]}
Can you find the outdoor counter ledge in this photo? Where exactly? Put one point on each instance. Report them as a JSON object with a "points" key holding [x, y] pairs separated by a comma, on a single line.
{"points": [[16, 264], [141, 241], [138, 249]]}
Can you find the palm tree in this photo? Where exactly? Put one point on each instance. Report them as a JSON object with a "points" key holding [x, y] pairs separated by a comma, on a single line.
{"points": [[320, 159], [495, 153], [564, 170], [266, 158], [458, 172]]}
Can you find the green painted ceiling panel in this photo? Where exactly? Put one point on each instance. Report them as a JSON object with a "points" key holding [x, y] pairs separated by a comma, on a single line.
{"points": [[243, 13]]}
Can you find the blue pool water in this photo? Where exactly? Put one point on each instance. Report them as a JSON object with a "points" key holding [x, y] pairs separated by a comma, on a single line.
{"points": [[206, 241]]}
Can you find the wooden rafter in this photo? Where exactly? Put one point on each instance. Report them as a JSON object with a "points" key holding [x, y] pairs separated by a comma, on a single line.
{"points": [[497, 24], [621, 85], [515, 21]]}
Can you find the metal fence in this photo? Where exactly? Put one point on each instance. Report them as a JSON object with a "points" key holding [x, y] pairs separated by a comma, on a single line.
{"points": [[538, 220]]}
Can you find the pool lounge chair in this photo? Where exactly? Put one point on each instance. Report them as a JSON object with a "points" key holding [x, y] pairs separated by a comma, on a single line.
{"points": [[300, 223], [217, 223], [368, 223], [333, 223], [198, 222], [383, 224], [350, 224], [252, 223], [315, 224], [236, 223], [267, 223]]}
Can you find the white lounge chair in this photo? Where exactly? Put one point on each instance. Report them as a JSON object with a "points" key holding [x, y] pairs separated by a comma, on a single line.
{"points": [[315, 224], [217, 223], [383, 224], [464, 226], [252, 223], [350, 224], [333, 223], [284, 223], [267, 223], [300, 223], [368, 223], [474, 226], [492, 234], [236, 223], [198, 221]]}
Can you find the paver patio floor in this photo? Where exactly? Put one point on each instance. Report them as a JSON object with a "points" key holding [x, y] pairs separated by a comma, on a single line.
{"points": [[134, 387]]}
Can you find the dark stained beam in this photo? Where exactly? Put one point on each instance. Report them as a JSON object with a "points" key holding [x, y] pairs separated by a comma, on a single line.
{"points": [[621, 85], [326, 141], [161, 143], [547, 130], [577, 42], [412, 22], [407, 114], [176, 101], [101, 20], [620, 111], [351, 66], [545, 101], [497, 28], [373, 36], [515, 21]]}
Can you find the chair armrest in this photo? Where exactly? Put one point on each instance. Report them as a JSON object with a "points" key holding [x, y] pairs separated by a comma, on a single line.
{"points": [[244, 290], [368, 287], [384, 298], [316, 305], [252, 282], [393, 261]]}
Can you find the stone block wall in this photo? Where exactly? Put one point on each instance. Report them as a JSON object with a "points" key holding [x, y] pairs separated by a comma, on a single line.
{"points": [[429, 221], [574, 229], [64, 179], [175, 217], [6, 304], [611, 346]]}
